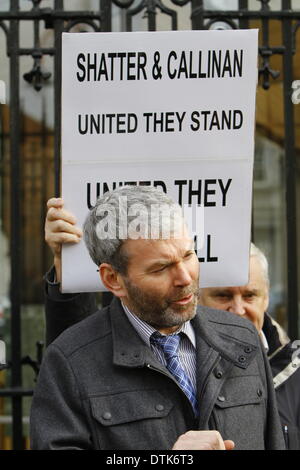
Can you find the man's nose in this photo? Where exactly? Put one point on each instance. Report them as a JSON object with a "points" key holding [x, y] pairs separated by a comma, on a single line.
{"points": [[182, 276], [237, 306]]}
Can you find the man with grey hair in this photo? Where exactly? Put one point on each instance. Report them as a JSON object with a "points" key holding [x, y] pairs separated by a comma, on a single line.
{"points": [[153, 370], [251, 301]]}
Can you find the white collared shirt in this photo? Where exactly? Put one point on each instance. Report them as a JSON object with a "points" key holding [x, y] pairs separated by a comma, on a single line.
{"points": [[187, 345], [264, 341]]}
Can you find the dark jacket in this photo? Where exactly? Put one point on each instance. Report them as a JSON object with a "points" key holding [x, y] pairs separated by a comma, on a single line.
{"points": [[64, 310], [286, 378], [101, 387]]}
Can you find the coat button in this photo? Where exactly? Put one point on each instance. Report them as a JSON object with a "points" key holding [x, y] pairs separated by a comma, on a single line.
{"points": [[106, 415], [159, 407], [242, 359], [221, 398], [259, 392], [248, 349], [218, 374]]}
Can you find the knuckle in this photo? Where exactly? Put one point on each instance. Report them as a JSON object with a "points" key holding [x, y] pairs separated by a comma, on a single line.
{"points": [[50, 202], [60, 225], [54, 201], [51, 213], [190, 433], [207, 446], [67, 238]]}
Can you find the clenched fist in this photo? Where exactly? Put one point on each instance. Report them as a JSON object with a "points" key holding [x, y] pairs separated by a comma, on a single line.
{"points": [[60, 227], [202, 440]]}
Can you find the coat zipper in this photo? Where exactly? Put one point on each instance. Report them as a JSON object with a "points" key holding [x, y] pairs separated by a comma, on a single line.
{"points": [[149, 366], [217, 360]]}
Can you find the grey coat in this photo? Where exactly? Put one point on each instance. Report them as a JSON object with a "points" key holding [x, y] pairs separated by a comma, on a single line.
{"points": [[100, 387]]}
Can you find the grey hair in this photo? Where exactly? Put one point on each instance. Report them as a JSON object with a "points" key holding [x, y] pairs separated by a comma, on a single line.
{"points": [[120, 208], [255, 251]]}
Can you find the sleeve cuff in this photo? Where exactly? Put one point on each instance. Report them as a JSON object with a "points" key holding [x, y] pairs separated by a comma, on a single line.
{"points": [[52, 287]]}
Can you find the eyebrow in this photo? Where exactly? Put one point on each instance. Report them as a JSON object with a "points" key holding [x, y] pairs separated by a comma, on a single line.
{"points": [[220, 291], [163, 263], [253, 291], [228, 292]]}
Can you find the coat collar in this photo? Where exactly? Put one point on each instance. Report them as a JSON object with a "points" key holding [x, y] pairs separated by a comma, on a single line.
{"points": [[210, 328], [275, 334], [130, 351]]}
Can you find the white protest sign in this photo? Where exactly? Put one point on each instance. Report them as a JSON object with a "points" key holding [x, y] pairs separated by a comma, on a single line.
{"points": [[172, 109]]}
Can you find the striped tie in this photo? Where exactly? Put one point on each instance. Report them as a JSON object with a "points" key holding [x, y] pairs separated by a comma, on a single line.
{"points": [[169, 346]]}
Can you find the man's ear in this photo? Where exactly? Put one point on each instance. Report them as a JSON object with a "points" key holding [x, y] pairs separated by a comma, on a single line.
{"points": [[112, 280]]}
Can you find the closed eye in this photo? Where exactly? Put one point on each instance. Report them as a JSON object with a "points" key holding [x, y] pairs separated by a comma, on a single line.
{"points": [[160, 269], [250, 296], [223, 296]]}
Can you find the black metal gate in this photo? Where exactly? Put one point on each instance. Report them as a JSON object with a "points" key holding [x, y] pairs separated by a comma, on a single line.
{"points": [[58, 19]]}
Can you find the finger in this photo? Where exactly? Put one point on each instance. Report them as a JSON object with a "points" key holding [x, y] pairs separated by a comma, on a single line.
{"points": [[63, 237], [59, 226], [55, 202], [229, 445], [60, 214], [220, 444]]}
